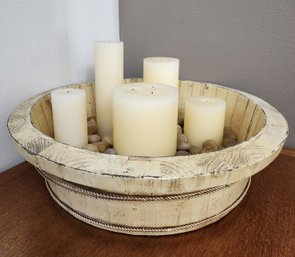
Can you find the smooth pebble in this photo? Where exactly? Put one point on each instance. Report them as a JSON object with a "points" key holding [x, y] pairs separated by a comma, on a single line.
{"points": [[108, 141], [228, 142], [182, 143], [91, 147], [209, 146], [182, 153], [102, 146], [228, 133], [93, 138], [110, 151], [194, 149], [91, 126]]}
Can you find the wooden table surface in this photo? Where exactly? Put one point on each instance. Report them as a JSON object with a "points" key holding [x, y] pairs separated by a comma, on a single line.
{"points": [[32, 224]]}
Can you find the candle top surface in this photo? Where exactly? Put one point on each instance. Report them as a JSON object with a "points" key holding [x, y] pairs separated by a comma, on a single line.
{"points": [[161, 59], [68, 91], [145, 92]]}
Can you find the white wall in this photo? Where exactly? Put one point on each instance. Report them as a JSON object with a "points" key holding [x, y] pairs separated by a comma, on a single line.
{"points": [[45, 44]]}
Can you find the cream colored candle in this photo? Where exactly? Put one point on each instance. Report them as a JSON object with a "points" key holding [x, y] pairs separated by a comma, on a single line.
{"points": [[145, 119], [164, 70], [204, 119], [70, 116], [109, 72]]}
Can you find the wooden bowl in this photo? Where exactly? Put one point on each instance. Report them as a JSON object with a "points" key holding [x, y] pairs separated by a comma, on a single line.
{"points": [[151, 196]]}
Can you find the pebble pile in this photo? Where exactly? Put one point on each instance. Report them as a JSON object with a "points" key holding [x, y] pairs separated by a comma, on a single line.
{"points": [[95, 142], [105, 144]]}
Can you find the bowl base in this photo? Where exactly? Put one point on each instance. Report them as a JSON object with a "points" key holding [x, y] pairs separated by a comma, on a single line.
{"points": [[68, 195]]}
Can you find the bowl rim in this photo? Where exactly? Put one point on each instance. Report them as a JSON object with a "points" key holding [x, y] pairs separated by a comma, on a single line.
{"points": [[148, 175]]}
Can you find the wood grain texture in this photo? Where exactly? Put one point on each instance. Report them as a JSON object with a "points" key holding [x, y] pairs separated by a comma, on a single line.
{"points": [[265, 131], [262, 225]]}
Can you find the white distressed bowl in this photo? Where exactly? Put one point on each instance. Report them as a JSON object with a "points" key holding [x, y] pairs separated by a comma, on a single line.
{"points": [[151, 196]]}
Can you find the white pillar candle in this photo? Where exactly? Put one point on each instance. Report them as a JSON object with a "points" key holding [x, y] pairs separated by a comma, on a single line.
{"points": [[109, 72], [145, 119], [163, 70], [204, 119], [70, 116]]}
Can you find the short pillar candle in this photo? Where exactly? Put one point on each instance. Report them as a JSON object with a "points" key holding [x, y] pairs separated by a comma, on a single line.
{"points": [[109, 73], [163, 70], [69, 112], [204, 119], [145, 119]]}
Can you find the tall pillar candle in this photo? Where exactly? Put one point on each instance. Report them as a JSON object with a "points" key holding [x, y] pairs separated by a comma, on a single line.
{"points": [[163, 70], [145, 119], [109, 72], [70, 116], [204, 119]]}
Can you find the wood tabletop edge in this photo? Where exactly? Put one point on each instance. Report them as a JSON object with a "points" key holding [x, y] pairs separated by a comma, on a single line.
{"points": [[15, 172], [288, 151]]}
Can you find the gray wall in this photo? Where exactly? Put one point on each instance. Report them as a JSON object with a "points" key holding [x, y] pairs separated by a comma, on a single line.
{"points": [[248, 45]]}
